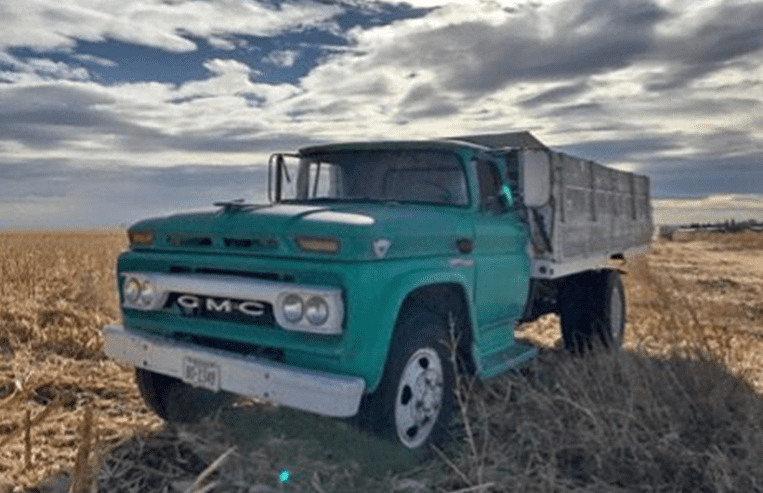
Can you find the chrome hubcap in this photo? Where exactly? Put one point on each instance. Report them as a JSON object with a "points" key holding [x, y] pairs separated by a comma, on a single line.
{"points": [[419, 397]]}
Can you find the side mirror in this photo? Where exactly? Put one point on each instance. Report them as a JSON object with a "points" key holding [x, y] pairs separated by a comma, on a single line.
{"points": [[281, 171], [535, 176]]}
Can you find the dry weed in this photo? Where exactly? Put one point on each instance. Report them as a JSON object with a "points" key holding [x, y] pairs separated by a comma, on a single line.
{"points": [[677, 411]]}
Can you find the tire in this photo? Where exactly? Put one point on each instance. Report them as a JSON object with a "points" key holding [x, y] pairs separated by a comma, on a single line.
{"points": [[175, 401], [414, 403], [592, 311]]}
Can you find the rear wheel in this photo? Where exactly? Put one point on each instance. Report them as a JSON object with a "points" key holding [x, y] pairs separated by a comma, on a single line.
{"points": [[176, 401], [592, 311], [414, 402]]}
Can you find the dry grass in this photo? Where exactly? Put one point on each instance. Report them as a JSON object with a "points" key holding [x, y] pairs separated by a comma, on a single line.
{"points": [[678, 410], [744, 240], [57, 289]]}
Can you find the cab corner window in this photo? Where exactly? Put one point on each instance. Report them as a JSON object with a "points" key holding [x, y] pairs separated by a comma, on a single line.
{"points": [[491, 188]]}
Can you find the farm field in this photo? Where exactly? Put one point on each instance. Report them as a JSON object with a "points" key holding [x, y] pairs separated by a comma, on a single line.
{"points": [[678, 410]]}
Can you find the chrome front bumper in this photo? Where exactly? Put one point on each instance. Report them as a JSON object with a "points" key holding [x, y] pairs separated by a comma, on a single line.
{"points": [[317, 392]]}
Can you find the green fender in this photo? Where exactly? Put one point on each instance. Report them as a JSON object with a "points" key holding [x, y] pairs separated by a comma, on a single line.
{"points": [[397, 291]]}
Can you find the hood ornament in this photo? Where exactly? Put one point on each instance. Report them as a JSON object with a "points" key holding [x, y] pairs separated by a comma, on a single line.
{"points": [[381, 247], [231, 205]]}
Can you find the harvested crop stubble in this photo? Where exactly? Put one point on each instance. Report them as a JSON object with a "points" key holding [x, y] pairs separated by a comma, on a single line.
{"points": [[678, 410], [56, 291]]}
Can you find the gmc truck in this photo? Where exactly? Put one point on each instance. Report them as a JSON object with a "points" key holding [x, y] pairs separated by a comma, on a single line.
{"points": [[376, 274]]}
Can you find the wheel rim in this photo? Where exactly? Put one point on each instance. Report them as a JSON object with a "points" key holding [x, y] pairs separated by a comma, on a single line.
{"points": [[419, 397], [616, 315]]}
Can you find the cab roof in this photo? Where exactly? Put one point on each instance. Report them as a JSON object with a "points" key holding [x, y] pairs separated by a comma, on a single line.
{"points": [[511, 140], [444, 145]]}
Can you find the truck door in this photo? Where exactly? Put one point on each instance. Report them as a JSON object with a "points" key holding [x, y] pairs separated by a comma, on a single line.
{"points": [[502, 267]]}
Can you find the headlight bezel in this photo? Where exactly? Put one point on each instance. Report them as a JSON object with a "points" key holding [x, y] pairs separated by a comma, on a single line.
{"points": [[328, 324], [146, 297], [131, 289]]}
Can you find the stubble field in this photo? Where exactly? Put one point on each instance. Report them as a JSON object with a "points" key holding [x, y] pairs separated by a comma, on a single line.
{"points": [[678, 410]]}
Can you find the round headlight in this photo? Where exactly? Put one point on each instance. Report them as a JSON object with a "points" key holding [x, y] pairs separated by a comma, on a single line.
{"points": [[317, 311], [292, 308], [132, 289], [148, 293]]}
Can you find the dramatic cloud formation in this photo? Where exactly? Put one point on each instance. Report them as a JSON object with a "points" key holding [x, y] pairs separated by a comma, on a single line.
{"points": [[112, 110]]}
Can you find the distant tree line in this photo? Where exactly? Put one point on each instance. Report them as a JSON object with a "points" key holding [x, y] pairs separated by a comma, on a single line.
{"points": [[727, 226]]}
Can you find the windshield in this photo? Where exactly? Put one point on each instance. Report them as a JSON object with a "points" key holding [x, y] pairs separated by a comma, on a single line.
{"points": [[432, 177]]}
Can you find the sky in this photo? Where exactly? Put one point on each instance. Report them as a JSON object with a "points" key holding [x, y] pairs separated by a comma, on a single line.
{"points": [[112, 111]]}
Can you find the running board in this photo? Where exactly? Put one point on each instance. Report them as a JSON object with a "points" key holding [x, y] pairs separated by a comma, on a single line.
{"points": [[518, 355]]}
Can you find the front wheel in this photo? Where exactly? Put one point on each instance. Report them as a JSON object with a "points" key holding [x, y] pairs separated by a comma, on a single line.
{"points": [[414, 402]]}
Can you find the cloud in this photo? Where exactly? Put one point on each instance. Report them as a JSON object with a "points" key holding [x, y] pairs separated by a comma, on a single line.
{"points": [[43, 117], [556, 95], [55, 25], [615, 150], [43, 67], [577, 50], [43, 193], [226, 67], [729, 201], [652, 86], [707, 39], [708, 209], [30, 180], [285, 58], [95, 60], [704, 175], [554, 42], [209, 121]]}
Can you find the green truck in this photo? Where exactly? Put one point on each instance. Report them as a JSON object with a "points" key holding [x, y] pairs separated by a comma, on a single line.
{"points": [[378, 272]]}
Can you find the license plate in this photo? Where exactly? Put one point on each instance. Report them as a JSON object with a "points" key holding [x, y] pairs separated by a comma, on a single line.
{"points": [[200, 373]]}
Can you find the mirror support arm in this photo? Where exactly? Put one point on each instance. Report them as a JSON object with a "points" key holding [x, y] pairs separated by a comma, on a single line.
{"points": [[279, 176]]}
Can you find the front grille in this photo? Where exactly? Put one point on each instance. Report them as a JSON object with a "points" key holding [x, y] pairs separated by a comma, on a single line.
{"points": [[245, 243], [250, 312]]}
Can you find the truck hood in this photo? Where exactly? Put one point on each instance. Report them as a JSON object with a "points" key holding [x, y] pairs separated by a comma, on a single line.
{"points": [[364, 231]]}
